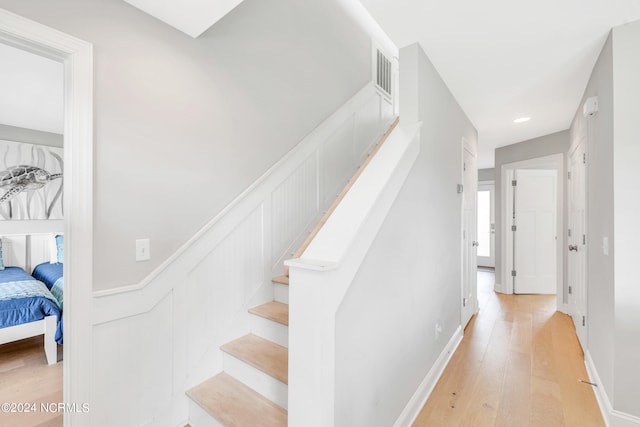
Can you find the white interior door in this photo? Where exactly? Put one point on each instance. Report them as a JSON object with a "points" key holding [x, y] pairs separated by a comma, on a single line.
{"points": [[486, 225], [469, 242], [535, 234], [577, 242]]}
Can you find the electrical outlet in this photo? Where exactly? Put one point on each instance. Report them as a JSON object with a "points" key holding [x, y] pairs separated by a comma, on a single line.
{"points": [[143, 250]]}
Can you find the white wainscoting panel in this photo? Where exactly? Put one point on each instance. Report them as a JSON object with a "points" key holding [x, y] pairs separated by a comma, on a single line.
{"points": [[338, 160], [294, 204], [219, 289], [133, 367], [367, 124], [156, 339]]}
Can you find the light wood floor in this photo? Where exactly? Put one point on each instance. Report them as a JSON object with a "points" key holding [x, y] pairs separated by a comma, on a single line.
{"points": [[519, 364], [25, 377]]}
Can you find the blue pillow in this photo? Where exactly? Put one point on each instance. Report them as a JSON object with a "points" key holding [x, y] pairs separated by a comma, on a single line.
{"points": [[1, 262], [60, 247]]}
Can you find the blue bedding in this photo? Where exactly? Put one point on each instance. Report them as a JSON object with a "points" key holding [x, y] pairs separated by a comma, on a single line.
{"points": [[24, 299], [48, 273], [51, 275]]}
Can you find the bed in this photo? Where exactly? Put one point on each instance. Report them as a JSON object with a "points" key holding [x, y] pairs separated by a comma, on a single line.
{"points": [[51, 275], [27, 306]]}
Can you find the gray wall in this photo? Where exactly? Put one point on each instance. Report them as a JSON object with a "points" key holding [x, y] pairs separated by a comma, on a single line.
{"points": [[12, 133], [411, 277], [613, 295], [182, 126], [600, 283], [538, 147], [486, 174], [626, 202]]}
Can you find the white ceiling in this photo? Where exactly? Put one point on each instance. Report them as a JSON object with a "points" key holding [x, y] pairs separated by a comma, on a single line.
{"points": [[193, 17], [32, 91], [505, 59]]}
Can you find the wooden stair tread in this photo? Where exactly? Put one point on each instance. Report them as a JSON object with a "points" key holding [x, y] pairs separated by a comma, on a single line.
{"points": [[234, 404], [265, 355], [284, 280], [274, 310]]}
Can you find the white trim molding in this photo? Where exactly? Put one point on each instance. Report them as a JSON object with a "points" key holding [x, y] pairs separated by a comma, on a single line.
{"points": [[77, 57], [612, 417], [417, 401]]}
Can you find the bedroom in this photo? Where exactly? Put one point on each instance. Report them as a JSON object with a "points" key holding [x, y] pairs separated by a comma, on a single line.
{"points": [[31, 232]]}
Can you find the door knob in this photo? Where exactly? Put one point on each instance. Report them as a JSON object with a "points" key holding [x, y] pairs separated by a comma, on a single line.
{"points": [[475, 243], [573, 248]]}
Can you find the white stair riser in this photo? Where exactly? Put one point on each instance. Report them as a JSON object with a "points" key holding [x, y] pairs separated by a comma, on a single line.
{"points": [[261, 382], [198, 417], [281, 293], [270, 330]]}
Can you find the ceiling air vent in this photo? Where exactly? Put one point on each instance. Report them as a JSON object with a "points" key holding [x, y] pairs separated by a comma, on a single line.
{"points": [[383, 73]]}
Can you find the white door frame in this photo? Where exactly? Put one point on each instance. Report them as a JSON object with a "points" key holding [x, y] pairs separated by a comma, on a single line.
{"points": [[472, 303], [557, 162], [573, 310], [77, 57], [490, 186]]}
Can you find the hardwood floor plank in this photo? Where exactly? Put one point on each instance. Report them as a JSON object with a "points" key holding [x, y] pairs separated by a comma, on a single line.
{"points": [[487, 393], [518, 365], [25, 377], [515, 404], [580, 406], [546, 403]]}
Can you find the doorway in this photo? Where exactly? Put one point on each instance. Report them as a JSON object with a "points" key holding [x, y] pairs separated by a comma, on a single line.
{"points": [[31, 128], [486, 225], [77, 59], [532, 226], [534, 231]]}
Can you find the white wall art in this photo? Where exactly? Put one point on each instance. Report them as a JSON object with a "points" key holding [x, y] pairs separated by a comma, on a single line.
{"points": [[30, 181]]}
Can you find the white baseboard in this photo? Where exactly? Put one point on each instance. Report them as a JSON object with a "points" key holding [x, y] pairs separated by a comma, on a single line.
{"points": [[612, 417], [564, 308], [419, 398]]}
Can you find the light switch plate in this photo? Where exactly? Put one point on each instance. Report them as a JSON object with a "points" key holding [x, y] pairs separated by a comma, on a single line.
{"points": [[143, 250], [605, 246]]}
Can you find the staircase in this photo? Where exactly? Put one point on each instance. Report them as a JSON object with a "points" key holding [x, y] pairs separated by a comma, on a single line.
{"points": [[252, 389]]}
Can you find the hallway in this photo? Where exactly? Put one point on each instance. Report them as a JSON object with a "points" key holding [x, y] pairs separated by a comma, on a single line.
{"points": [[519, 364]]}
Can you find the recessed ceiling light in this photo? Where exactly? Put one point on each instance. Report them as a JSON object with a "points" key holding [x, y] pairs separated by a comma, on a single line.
{"points": [[522, 120]]}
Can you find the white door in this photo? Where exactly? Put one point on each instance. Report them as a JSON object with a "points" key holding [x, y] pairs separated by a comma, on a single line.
{"points": [[486, 226], [469, 243], [577, 242], [535, 233]]}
